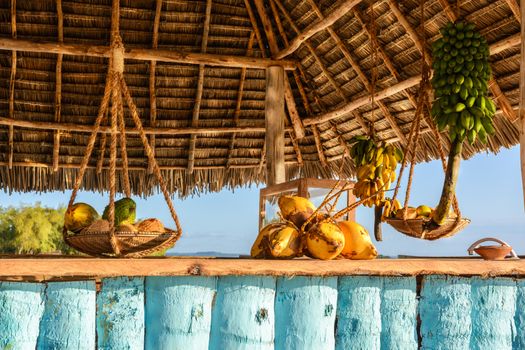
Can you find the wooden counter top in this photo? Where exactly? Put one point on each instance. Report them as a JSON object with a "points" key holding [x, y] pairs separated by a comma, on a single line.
{"points": [[58, 268]]}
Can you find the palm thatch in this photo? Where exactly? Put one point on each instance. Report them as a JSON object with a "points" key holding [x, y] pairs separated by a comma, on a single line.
{"points": [[205, 118]]}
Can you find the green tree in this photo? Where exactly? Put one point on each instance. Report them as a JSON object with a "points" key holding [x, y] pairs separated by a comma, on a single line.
{"points": [[32, 230]]}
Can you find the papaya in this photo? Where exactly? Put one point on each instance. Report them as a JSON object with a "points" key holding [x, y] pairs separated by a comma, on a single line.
{"points": [[79, 216]]}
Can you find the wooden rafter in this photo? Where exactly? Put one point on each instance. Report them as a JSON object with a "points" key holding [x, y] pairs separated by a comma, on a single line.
{"points": [[152, 88], [159, 55], [303, 36], [501, 99], [237, 111], [522, 100], [58, 87], [319, 145], [361, 75], [12, 78], [200, 88], [515, 8], [288, 93]]}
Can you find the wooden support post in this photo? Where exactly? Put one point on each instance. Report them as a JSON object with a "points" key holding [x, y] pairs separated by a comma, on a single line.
{"points": [[522, 99], [274, 115], [58, 87], [152, 68], [12, 87]]}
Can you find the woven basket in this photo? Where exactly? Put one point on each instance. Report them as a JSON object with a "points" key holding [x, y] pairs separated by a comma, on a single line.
{"points": [[131, 244], [419, 228]]}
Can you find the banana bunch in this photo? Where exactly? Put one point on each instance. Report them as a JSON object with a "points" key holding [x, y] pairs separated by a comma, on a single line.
{"points": [[376, 165], [460, 83], [390, 208]]}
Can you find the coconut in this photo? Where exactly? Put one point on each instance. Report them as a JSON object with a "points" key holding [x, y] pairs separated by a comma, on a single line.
{"points": [[150, 225], [98, 226], [325, 240], [295, 209], [358, 245]]}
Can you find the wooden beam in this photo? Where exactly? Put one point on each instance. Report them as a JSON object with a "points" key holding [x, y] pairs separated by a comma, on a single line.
{"points": [[319, 145], [152, 88], [237, 111], [505, 44], [160, 55], [58, 86], [288, 93], [360, 74], [410, 31], [355, 104], [522, 100], [12, 78], [336, 14], [274, 116], [501, 99], [255, 27], [515, 8], [72, 127], [200, 88]]}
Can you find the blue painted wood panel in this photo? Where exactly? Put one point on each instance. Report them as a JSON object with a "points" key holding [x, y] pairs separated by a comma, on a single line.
{"points": [[305, 311], [444, 309], [243, 315], [21, 307], [358, 313], [519, 317], [69, 316], [120, 314], [493, 308], [398, 313], [178, 312]]}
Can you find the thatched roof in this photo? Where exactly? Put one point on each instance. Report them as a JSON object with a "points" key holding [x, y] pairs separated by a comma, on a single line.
{"points": [[334, 70]]}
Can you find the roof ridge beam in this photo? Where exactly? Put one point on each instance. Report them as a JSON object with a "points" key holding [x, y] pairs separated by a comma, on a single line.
{"points": [[160, 55], [310, 31]]}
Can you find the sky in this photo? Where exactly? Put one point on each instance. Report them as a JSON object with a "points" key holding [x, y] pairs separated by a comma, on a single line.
{"points": [[489, 193]]}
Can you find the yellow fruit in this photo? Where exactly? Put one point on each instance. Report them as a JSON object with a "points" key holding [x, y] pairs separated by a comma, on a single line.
{"points": [[423, 210], [325, 240], [260, 246], [285, 242], [79, 216], [150, 225], [358, 244], [296, 209]]}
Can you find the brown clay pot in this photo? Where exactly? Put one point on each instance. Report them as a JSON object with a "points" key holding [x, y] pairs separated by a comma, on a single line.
{"points": [[493, 252]]}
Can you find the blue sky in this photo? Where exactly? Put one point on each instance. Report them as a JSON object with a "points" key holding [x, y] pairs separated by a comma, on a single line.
{"points": [[489, 193]]}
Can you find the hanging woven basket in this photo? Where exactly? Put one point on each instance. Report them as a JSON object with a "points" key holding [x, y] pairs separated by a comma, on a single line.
{"points": [[421, 228], [113, 242]]}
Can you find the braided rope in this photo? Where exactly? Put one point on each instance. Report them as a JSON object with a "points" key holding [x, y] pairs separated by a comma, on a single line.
{"points": [[149, 152], [123, 150], [112, 166]]}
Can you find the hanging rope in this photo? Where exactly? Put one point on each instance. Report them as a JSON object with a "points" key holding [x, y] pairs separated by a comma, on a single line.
{"points": [[373, 81]]}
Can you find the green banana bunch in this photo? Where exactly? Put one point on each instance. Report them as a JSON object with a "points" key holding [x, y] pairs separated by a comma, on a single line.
{"points": [[376, 164], [460, 82]]}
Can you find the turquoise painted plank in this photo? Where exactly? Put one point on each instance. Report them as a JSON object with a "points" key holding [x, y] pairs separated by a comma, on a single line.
{"points": [[69, 316], [178, 312], [399, 313], [21, 307], [305, 311], [444, 309], [493, 307], [519, 317], [243, 316], [358, 313], [120, 313]]}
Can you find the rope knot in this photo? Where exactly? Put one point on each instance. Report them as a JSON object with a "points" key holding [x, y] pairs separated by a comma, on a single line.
{"points": [[117, 54]]}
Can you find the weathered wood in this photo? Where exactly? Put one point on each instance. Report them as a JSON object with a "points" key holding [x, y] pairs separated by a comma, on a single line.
{"points": [[68, 321], [358, 313], [130, 131], [160, 55], [120, 314], [58, 87], [319, 145], [515, 8], [274, 119], [315, 28], [152, 87], [444, 309], [360, 102], [21, 307], [505, 44], [200, 88], [399, 313], [178, 312], [305, 311], [492, 314], [522, 101], [519, 318], [274, 49], [243, 316], [52, 268], [12, 78]]}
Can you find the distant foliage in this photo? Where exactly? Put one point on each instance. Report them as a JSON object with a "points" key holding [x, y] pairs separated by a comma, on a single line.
{"points": [[32, 230]]}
